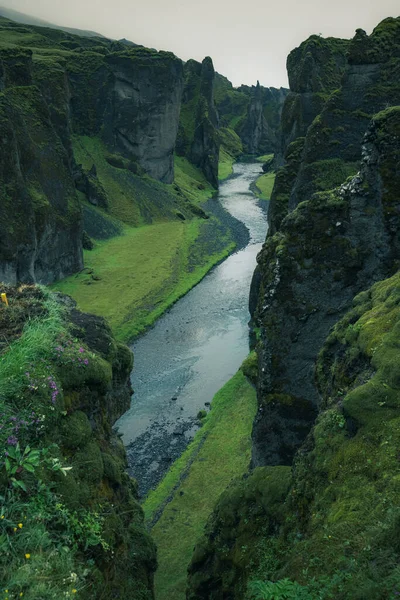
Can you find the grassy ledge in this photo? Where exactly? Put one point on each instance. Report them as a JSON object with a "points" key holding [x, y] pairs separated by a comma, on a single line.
{"points": [[219, 453]]}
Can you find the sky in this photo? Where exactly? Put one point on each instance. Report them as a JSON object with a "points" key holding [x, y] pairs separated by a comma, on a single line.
{"points": [[248, 40]]}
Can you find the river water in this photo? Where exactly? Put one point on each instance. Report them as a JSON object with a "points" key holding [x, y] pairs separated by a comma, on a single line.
{"points": [[195, 348]]}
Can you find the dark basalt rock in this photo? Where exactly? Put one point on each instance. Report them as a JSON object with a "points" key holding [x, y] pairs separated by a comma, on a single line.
{"points": [[197, 136]]}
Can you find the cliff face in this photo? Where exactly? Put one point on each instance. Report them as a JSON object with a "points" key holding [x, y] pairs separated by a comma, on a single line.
{"points": [[79, 503], [56, 87], [330, 246], [142, 115], [315, 70], [260, 130], [197, 137], [40, 217], [254, 113]]}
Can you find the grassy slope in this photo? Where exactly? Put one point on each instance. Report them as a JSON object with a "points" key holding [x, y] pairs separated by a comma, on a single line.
{"points": [[231, 148], [225, 164], [141, 274], [191, 180], [265, 185], [219, 453], [150, 266]]}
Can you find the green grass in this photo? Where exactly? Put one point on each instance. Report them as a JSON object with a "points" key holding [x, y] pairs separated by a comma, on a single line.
{"points": [[135, 200], [34, 345], [230, 149], [219, 453], [141, 273], [264, 158], [191, 181], [265, 185], [225, 164]]}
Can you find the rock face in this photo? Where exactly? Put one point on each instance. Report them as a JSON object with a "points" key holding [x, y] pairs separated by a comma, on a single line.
{"points": [[260, 130], [141, 120], [315, 70], [254, 113], [197, 137], [331, 244], [40, 216]]}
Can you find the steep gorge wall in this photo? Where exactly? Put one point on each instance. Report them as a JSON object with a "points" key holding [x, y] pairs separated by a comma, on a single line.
{"points": [[253, 112], [56, 86], [40, 216], [332, 243], [197, 136]]}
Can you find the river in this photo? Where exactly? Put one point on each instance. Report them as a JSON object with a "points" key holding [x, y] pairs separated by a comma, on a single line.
{"points": [[195, 348]]}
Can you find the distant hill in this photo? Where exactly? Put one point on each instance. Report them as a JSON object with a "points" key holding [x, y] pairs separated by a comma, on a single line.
{"points": [[19, 17]]}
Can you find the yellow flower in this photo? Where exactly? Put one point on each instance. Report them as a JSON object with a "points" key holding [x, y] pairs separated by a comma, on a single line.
{"points": [[27, 555], [15, 529], [2, 516], [74, 591], [22, 593], [20, 525]]}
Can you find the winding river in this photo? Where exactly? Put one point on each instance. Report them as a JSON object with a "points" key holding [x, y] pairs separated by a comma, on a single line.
{"points": [[195, 348]]}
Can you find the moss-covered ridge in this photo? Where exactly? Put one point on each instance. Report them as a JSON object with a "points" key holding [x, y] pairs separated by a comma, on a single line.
{"points": [[335, 531], [71, 523]]}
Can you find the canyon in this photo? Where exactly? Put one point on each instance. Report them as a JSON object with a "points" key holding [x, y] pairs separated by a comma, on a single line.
{"points": [[266, 455]]}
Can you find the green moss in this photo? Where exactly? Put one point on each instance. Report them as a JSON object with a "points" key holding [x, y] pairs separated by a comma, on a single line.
{"points": [[76, 430], [250, 367], [190, 181], [88, 462]]}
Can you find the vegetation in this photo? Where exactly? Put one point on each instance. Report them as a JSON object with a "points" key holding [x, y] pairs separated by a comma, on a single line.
{"points": [[265, 185], [133, 278], [219, 452], [55, 512]]}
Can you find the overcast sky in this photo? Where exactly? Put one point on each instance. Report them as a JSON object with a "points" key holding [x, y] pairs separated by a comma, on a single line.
{"points": [[247, 39]]}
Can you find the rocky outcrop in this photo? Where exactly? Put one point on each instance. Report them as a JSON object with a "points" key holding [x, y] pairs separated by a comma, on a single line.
{"points": [[315, 70], [197, 137], [325, 246], [79, 388]]}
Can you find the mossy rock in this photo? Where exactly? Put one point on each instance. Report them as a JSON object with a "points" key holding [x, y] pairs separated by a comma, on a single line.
{"points": [[88, 462], [113, 468], [250, 367], [75, 430]]}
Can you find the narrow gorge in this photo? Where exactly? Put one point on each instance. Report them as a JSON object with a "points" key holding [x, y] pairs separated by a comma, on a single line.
{"points": [[199, 319]]}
